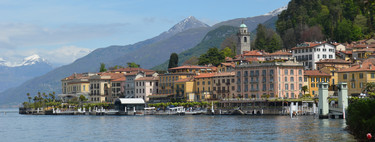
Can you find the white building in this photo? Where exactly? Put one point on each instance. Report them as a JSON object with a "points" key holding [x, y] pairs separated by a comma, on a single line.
{"points": [[146, 86], [310, 52]]}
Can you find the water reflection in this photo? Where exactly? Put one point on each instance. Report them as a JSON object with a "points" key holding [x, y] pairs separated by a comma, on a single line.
{"points": [[170, 128]]}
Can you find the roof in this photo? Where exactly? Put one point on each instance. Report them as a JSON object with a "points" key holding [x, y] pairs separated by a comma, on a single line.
{"points": [[77, 76], [364, 45], [129, 69], [367, 65], [228, 59], [308, 45], [347, 52], [366, 50], [229, 64], [119, 79], [159, 95], [252, 53], [204, 75], [147, 78], [131, 100], [189, 67], [336, 61], [243, 25], [280, 52], [315, 73]]}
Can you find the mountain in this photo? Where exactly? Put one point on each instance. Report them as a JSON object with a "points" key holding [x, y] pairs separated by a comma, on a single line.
{"points": [[184, 35], [276, 12], [181, 37], [14, 74]]}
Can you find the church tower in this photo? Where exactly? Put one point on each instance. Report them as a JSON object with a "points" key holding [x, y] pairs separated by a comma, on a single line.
{"points": [[243, 39]]}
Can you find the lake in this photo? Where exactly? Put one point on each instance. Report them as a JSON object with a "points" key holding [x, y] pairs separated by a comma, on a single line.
{"points": [[16, 127]]}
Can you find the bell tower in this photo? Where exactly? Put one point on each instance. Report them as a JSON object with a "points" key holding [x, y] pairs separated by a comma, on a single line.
{"points": [[243, 36]]}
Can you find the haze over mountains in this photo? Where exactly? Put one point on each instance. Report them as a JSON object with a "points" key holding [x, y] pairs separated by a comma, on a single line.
{"points": [[183, 36], [13, 74]]}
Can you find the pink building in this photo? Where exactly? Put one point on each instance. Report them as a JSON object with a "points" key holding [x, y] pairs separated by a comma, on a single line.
{"points": [[277, 79]]}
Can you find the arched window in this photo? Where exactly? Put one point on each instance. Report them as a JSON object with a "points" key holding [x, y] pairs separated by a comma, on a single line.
{"points": [[244, 31], [244, 39]]}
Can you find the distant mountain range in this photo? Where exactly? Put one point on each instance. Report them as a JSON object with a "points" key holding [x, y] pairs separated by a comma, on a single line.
{"points": [[190, 35], [14, 74]]}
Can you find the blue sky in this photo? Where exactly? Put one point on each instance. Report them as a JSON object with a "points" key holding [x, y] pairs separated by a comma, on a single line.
{"points": [[73, 28]]}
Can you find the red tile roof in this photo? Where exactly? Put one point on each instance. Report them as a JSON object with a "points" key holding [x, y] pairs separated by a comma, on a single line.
{"points": [[128, 69], [364, 45], [315, 73], [367, 65], [188, 79], [252, 53], [229, 64], [205, 75], [119, 79], [280, 52], [347, 52], [308, 45], [366, 50], [188, 67]]}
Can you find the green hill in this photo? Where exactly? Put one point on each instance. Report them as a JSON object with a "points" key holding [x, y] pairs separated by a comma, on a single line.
{"points": [[213, 39]]}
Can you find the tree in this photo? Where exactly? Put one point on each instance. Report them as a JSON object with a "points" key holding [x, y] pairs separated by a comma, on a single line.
{"points": [[212, 56], [267, 39], [102, 67], [133, 65], [227, 52], [82, 98], [28, 97], [304, 89], [369, 87], [173, 60], [231, 43]]}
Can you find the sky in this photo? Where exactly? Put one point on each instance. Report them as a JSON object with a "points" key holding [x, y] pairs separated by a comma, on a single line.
{"points": [[63, 31]]}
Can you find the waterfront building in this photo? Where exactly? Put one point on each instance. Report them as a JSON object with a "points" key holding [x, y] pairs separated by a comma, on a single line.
{"points": [[279, 55], [185, 89], [146, 86], [101, 86], [243, 43], [130, 81], [276, 79], [223, 86], [129, 104], [117, 88], [357, 76], [313, 78], [254, 54], [310, 52], [166, 81], [331, 67], [226, 67], [76, 85], [203, 86]]}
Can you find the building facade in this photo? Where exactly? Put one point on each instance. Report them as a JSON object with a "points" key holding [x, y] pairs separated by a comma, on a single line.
{"points": [[276, 79], [223, 86], [313, 78], [146, 86], [311, 52], [357, 76], [101, 86], [203, 86]]}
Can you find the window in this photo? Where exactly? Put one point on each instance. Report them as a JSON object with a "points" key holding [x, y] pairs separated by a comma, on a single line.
{"points": [[318, 56], [292, 86], [330, 56], [372, 75], [286, 87], [245, 39], [310, 57], [203, 82], [197, 82], [353, 85], [291, 72], [300, 86], [208, 82], [286, 79], [264, 87], [361, 85], [286, 72], [361, 76], [312, 84], [271, 87], [291, 79], [299, 72], [345, 76], [312, 79]]}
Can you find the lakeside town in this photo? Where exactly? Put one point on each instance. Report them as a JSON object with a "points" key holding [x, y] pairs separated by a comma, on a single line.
{"points": [[254, 82]]}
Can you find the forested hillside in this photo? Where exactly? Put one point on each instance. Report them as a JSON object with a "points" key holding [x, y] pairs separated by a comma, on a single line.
{"points": [[333, 20]]}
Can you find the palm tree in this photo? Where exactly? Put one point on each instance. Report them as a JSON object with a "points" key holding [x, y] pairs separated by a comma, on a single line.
{"points": [[304, 89], [28, 96]]}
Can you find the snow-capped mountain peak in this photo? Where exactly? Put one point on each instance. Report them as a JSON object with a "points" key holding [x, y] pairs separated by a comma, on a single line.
{"points": [[33, 59], [277, 11], [30, 60], [187, 23]]}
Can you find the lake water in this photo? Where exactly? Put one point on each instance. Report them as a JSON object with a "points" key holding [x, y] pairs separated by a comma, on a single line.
{"points": [[15, 127]]}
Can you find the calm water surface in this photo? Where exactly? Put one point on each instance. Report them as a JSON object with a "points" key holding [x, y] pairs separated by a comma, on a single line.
{"points": [[15, 127]]}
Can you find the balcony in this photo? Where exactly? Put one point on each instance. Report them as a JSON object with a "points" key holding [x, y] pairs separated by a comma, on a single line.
{"points": [[227, 83], [218, 84]]}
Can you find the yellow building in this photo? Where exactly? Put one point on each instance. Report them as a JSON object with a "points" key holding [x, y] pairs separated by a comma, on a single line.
{"points": [[331, 67], [357, 76], [185, 89], [203, 86], [76, 83], [167, 81], [313, 78]]}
